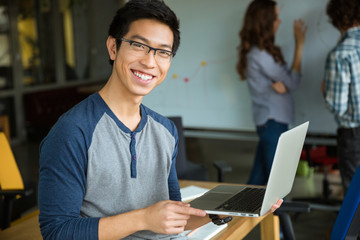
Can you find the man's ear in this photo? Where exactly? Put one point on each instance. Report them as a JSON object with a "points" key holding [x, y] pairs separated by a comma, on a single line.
{"points": [[111, 46]]}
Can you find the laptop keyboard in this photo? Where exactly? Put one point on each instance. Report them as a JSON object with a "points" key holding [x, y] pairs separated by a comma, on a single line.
{"points": [[248, 200]]}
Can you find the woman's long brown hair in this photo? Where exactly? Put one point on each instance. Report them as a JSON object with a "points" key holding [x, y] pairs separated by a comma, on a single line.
{"points": [[258, 30]]}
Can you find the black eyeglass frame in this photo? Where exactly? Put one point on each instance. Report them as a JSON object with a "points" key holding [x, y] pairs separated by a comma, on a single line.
{"points": [[150, 48]]}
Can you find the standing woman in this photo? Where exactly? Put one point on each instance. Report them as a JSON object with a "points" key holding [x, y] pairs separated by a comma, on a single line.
{"points": [[269, 80]]}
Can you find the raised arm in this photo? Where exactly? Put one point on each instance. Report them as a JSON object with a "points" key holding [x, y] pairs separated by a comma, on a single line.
{"points": [[299, 33]]}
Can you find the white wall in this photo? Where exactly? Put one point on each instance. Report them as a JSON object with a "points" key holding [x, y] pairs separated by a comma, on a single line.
{"points": [[202, 85]]}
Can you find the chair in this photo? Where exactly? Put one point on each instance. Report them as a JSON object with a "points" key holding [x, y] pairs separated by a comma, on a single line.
{"points": [[347, 223], [285, 219], [4, 125], [222, 167], [326, 157], [186, 169], [11, 182]]}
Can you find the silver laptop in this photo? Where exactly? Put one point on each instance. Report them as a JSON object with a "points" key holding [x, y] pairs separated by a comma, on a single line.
{"points": [[255, 201]]}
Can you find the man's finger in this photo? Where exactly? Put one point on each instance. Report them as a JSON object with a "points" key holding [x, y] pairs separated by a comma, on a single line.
{"points": [[192, 211]]}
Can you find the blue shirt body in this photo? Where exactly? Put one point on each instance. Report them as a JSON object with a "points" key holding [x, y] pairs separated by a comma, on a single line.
{"points": [[261, 72], [342, 80], [93, 166]]}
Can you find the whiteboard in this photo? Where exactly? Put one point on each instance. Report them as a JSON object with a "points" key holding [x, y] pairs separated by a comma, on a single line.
{"points": [[202, 85]]}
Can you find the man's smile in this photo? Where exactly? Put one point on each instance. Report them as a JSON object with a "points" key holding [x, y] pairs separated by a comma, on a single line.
{"points": [[143, 76]]}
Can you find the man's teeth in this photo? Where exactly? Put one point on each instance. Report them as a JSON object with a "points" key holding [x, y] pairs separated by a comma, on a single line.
{"points": [[143, 76]]}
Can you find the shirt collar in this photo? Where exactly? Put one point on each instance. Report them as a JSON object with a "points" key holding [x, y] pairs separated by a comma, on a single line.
{"points": [[353, 32]]}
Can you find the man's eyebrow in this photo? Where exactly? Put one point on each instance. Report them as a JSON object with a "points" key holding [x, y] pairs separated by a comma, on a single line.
{"points": [[146, 41]]}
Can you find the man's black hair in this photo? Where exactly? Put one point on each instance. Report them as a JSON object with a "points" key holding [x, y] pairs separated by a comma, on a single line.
{"points": [[344, 14], [143, 9]]}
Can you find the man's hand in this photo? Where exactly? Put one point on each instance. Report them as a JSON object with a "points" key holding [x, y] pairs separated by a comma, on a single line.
{"points": [[219, 220], [276, 205], [169, 217]]}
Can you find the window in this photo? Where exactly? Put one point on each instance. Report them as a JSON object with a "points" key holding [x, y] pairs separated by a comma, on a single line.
{"points": [[36, 40], [6, 81], [74, 16]]}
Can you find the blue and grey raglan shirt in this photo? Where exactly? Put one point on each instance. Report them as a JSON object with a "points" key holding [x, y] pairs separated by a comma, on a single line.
{"points": [[93, 166]]}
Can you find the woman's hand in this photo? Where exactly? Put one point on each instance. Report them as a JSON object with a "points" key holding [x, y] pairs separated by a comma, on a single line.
{"points": [[279, 87], [299, 32]]}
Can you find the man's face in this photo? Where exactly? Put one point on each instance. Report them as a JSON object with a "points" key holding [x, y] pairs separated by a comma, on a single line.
{"points": [[138, 74]]}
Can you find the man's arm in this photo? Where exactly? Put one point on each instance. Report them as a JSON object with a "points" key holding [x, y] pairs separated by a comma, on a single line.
{"points": [[336, 84], [62, 184], [165, 217]]}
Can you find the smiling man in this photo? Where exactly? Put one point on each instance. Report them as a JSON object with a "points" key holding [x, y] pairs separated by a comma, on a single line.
{"points": [[107, 167]]}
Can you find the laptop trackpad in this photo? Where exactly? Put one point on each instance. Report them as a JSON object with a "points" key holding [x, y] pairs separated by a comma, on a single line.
{"points": [[209, 201], [218, 197]]}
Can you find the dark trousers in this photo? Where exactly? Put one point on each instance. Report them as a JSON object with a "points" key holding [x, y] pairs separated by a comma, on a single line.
{"points": [[269, 134], [348, 140]]}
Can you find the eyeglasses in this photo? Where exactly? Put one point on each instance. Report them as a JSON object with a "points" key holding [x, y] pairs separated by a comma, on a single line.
{"points": [[162, 56]]}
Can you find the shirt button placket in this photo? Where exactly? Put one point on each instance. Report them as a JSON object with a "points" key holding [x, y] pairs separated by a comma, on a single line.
{"points": [[133, 155]]}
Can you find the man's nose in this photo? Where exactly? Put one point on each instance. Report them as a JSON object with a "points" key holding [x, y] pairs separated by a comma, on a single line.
{"points": [[149, 58]]}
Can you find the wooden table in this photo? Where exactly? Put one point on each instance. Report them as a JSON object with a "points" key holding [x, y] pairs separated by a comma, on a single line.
{"points": [[239, 227], [28, 227], [24, 228]]}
